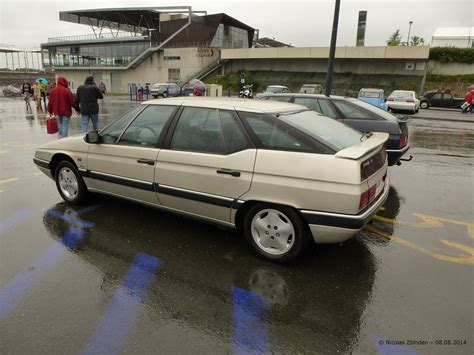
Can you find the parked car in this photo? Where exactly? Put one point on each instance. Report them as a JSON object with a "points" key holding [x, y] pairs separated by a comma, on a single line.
{"points": [[440, 98], [374, 97], [274, 89], [311, 89], [198, 157], [359, 115], [12, 91], [401, 100], [164, 90]]}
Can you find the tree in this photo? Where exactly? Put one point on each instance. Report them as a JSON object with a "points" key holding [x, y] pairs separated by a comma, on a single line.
{"points": [[417, 41], [395, 39]]}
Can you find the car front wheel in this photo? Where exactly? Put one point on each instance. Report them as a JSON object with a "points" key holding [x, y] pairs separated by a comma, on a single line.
{"points": [[275, 232], [69, 183]]}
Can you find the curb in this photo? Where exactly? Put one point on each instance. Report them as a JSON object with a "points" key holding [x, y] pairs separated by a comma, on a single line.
{"points": [[442, 119]]}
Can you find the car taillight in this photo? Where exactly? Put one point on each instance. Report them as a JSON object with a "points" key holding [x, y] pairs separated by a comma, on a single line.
{"points": [[364, 200], [390, 99], [403, 141]]}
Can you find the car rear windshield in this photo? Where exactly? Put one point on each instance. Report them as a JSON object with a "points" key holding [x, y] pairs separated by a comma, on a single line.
{"points": [[407, 94], [324, 129], [369, 94], [374, 109], [274, 89]]}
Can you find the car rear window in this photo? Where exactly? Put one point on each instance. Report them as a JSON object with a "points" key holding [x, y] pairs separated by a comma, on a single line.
{"points": [[402, 94], [325, 129], [369, 94]]}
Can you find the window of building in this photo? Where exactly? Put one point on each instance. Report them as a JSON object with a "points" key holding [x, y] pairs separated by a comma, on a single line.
{"points": [[172, 58], [174, 74]]}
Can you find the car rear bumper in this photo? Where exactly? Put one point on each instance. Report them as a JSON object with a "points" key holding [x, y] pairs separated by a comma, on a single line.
{"points": [[329, 227], [394, 155], [405, 106]]}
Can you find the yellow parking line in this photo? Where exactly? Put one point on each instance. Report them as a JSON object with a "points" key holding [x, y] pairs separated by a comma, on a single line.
{"points": [[8, 180], [464, 260]]}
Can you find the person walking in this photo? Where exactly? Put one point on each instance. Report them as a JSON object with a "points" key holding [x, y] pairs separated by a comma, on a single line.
{"points": [[86, 99], [102, 89], [61, 100]]}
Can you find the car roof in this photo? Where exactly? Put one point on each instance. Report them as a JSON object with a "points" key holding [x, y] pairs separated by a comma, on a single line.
{"points": [[321, 96], [371, 89], [224, 103], [312, 85], [276, 86]]}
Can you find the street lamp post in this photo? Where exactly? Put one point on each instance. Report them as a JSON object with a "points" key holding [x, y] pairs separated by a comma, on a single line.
{"points": [[409, 30], [332, 50]]}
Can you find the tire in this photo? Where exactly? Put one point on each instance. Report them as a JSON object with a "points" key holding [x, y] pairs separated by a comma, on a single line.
{"points": [[155, 96], [424, 105], [69, 183], [165, 95], [277, 247]]}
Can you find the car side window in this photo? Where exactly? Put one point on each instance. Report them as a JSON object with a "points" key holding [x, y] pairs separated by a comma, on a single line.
{"points": [[198, 131], [145, 130], [352, 111], [273, 135], [327, 109], [234, 138], [111, 133], [436, 97], [280, 98], [309, 102]]}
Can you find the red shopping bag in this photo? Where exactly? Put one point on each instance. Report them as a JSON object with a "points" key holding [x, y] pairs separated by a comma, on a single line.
{"points": [[52, 125]]}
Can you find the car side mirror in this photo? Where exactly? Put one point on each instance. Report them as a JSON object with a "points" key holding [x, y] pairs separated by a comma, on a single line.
{"points": [[92, 137]]}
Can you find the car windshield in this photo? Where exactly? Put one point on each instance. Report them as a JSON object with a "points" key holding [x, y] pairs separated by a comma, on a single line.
{"points": [[325, 129], [370, 94], [378, 111]]}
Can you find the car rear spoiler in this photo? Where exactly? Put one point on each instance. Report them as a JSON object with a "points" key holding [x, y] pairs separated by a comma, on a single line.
{"points": [[371, 144]]}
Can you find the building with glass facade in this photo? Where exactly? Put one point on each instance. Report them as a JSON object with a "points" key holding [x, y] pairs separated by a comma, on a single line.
{"points": [[131, 46]]}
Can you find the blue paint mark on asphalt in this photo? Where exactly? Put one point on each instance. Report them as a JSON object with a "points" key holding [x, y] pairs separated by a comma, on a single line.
{"points": [[15, 219], [70, 218], [249, 331], [13, 292], [122, 311], [17, 288], [385, 348]]}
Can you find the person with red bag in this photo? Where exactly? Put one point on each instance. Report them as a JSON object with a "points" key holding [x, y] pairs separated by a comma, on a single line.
{"points": [[61, 102]]}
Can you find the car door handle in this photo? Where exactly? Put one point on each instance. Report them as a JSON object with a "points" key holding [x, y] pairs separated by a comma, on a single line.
{"points": [[228, 172], [146, 161]]}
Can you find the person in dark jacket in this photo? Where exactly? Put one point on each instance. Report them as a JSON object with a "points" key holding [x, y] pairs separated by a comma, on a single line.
{"points": [[86, 99], [61, 100]]}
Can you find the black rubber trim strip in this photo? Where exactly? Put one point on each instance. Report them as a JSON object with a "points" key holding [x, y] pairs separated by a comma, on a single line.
{"points": [[334, 221], [121, 181], [84, 173], [194, 196], [41, 163]]}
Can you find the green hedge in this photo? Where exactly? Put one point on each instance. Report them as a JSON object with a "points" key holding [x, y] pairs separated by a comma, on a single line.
{"points": [[452, 54]]}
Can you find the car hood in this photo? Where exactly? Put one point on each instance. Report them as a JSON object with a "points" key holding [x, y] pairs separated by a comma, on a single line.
{"points": [[73, 143]]}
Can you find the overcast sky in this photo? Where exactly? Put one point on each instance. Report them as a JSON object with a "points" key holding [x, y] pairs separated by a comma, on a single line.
{"points": [[302, 23]]}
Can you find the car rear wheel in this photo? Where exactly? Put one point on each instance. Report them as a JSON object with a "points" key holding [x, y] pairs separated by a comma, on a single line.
{"points": [[70, 185], [424, 105], [275, 232], [165, 95]]}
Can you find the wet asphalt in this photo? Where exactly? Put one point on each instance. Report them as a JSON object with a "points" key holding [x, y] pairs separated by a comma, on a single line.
{"points": [[114, 277]]}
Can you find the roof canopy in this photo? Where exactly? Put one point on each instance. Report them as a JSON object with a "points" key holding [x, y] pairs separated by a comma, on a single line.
{"points": [[122, 19]]}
